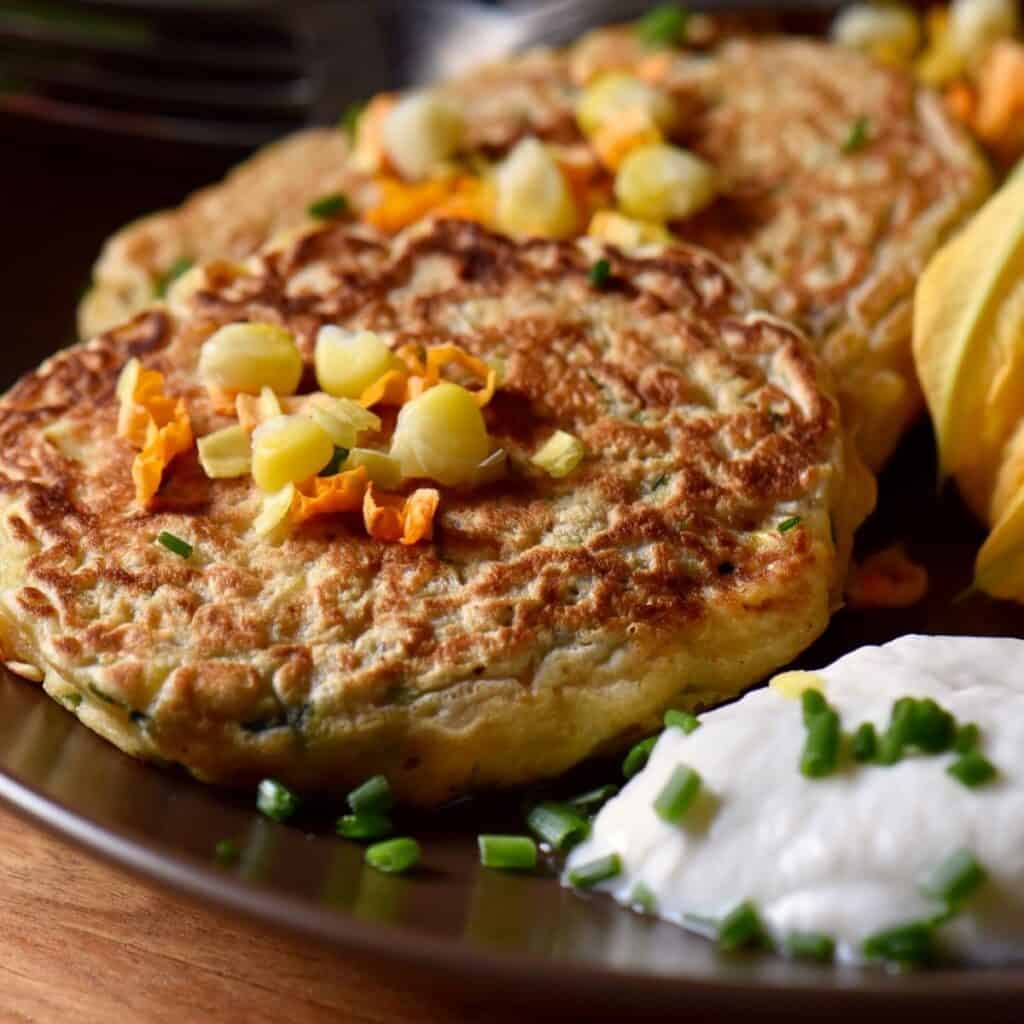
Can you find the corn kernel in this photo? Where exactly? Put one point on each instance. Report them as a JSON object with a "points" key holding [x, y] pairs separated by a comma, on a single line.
{"points": [[792, 684], [617, 95], [975, 25], [348, 362], [441, 435], [342, 418], [560, 454], [891, 31], [225, 453], [274, 512], [663, 183], [381, 468], [533, 196], [421, 132], [626, 232], [252, 410], [248, 357], [287, 449]]}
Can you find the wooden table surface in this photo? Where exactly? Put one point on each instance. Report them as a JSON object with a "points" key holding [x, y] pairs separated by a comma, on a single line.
{"points": [[82, 942]]}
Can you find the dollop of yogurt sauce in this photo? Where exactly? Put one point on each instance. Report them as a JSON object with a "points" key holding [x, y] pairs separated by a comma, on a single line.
{"points": [[844, 855]]}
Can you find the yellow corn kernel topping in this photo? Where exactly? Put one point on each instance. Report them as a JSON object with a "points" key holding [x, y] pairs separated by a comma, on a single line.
{"points": [[441, 435], [627, 232], [225, 453], [287, 449], [793, 684], [616, 95], [275, 512], [560, 454], [976, 25], [420, 132], [342, 418], [890, 33], [252, 410], [663, 183], [248, 357], [533, 196], [391, 517], [380, 467], [348, 362]]}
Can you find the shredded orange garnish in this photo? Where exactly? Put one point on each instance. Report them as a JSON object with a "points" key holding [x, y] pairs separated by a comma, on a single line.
{"points": [[624, 133], [473, 200], [390, 517], [163, 442], [402, 203], [999, 120], [961, 101], [146, 402], [389, 389], [887, 579], [324, 495], [396, 387], [441, 355], [222, 399]]}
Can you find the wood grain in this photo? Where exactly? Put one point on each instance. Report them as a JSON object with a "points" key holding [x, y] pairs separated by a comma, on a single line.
{"points": [[81, 942]]}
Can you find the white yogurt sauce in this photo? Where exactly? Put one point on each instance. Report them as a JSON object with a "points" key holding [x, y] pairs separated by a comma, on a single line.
{"points": [[843, 855]]}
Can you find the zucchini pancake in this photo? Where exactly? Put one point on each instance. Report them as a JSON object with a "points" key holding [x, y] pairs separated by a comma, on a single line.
{"points": [[576, 487], [824, 178]]}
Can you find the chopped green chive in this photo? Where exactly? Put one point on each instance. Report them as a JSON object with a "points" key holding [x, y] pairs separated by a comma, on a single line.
{"points": [[174, 544], [787, 524], [932, 729], [349, 122], [821, 747], [170, 275], [557, 825], [636, 759], [600, 274], [593, 800], [906, 944], [508, 853], [276, 801], [740, 928], [955, 880], [810, 946], [596, 871], [967, 738], [678, 794], [681, 720], [865, 743], [226, 852], [372, 797], [327, 207], [972, 769], [337, 459], [813, 703], [393, 856], [664, 26], [643, 899], [369, 825], [895, 737], [859, 135]]}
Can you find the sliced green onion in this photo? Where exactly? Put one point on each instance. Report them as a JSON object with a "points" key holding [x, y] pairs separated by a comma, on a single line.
{"points": [[637, 758], [226, 852], [557, 825], [276, 801], [681, 720], [972, 769], [865, 743], [337, 460], [906, 944], [895, 737], [600, 274], [369, 825], [593, 800], [643, 899], [787, 524], [741, 928], [177, 269], [393, 856], [372, 797], [328, 206], [859, 136], [812, 702], [678, 794], [821, 747], [508, 853], [967, 738], [596, 871], [174, 544], [810, 946], [955, 880], [932, 729], [664, 26]]}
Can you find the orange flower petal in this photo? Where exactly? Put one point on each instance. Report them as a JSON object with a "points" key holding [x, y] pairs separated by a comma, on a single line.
{"points": [[441, 355], [388, 389], [383, 514], [325, 495], [163, 443], [402, 204], [222, 399]]}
